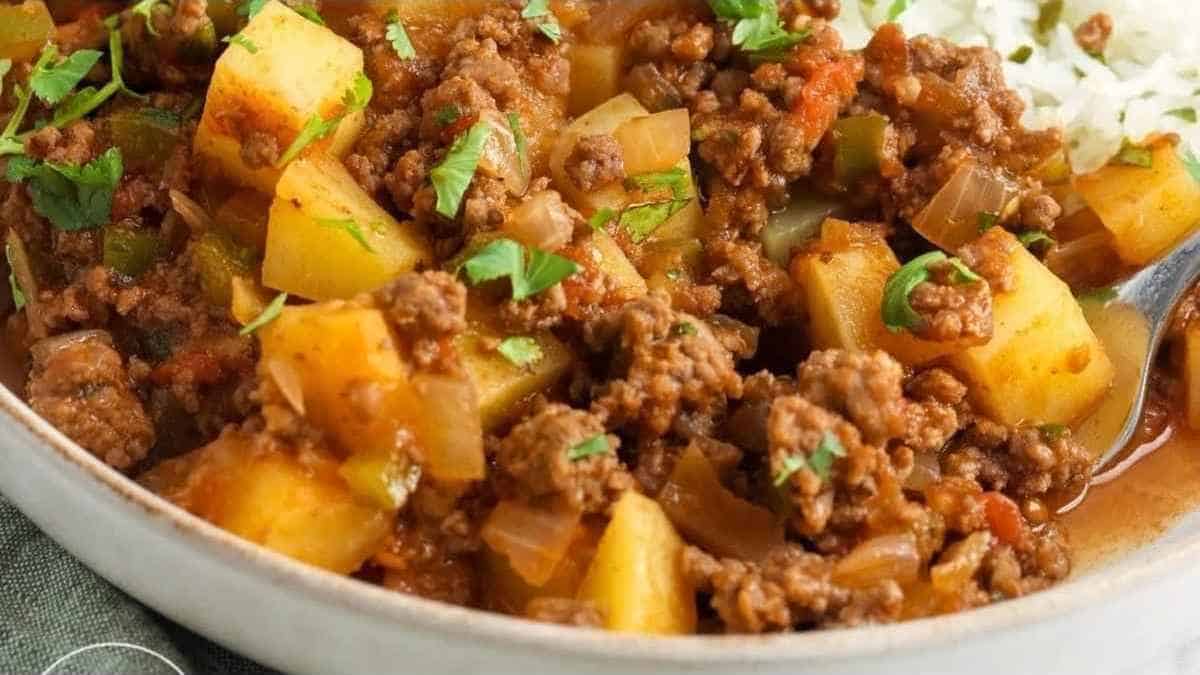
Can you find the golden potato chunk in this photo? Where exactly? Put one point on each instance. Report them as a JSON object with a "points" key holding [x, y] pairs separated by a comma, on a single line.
{"points": [[636, 579], [296, 70], [328, 239]]}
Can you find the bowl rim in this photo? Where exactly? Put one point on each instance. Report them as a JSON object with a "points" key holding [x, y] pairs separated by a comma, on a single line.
{"points": [[325, 587]]}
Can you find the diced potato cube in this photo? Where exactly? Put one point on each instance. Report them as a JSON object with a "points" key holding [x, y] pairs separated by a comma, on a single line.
{"points": [[313, 245], [655, 142], [1043, 363], [1147, 210], [843, 280], [300, 510], [595, 75], [24, 30], [603, 120], [298, 69], [1191, 374], [611, 260], [352, 382], [636, 578], [504, 388]]}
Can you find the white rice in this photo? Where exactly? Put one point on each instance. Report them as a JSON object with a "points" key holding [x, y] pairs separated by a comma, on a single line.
{"points": [[1151, 66]]}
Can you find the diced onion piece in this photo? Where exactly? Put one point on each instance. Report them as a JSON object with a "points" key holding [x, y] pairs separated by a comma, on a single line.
{"points": [[959, 563], [500, 157], [533, 539], [892, 556], [926, 471], [795, 226], [655, 142], [289, 382], [709, 514], [542, 221], [952, 217], [449, 428], [192, 213]]}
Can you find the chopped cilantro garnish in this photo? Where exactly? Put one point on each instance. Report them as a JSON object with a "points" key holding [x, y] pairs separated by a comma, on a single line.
{"points": [[505, 258], [539, 12], [987, 220], [145, 8], [596, 445], [520, 350], [348, 226], [1021, 54], [241, 41], [1135, 155], [1185, 114], [18, 295], [71, 197], [683, 328], [757, 27], [447, 115], [5, 66], [269, 314], [601, 218], [251, 8], [897, 8], [641, 220], [453, 175], [354, 100], [398, 37], [52, 82], [819, 461], [898, 314], [1034, 238], [310, 13], [962, 273], [676, 179], [791, 464], [1192, 163]]}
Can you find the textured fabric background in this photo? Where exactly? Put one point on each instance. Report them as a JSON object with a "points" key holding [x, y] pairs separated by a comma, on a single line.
{"points": [[51, 605]]}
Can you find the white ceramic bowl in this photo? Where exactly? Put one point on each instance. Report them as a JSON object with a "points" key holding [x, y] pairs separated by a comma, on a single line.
{"points": [[1115, 619]]}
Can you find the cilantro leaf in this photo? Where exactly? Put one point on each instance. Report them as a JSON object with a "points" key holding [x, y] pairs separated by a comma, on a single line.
{"points": [[683, 329], [962, 273], [1193, 164], [601, 218], [641, 220], [757, 27], [898, 314], [1135, 155], [399, 37], [348, 226], [791, 464], [71, 197], [520, 350], [596, 445], [310, 13], [519, 139], [453, 175], [898, 7], [987, 220], [269, 314], [5, 66], [544, 19], [251, 8], [241, 41], [447, 115], [354, 100], [1185, 114], [52, 82], [18, 295], [1034, 238], [821, 459], [506, 258], [145, 9], [676, 179]]}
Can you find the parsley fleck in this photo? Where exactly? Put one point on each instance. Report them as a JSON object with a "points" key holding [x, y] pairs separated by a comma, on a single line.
{"points": [[241, 41], [52, 82], [1135, 155], [520, 141], [898, 314], [447, 115], [1034, 238], [506, 258], [545, 21], [819, 461], [1021, 54], [18, 295], [398, 37], [354, 100], [601, 218], [71, 197], [962, 273], [596, 445], [642, 220], [791, 464], [898, 7], [676, 179], [683, 328], [310, 13], [1192, 163], [453, 175], [269, 314], [348, 226], [988, 220], [520, 350], [251, 8], [145, 8], [1185, 114], [757, 27]]}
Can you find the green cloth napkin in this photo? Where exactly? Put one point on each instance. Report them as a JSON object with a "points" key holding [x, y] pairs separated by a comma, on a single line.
{"points": [[51, 605]]}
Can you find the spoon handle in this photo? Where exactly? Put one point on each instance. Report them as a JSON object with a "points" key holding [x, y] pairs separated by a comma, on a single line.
{"points": [[1157, 289]]}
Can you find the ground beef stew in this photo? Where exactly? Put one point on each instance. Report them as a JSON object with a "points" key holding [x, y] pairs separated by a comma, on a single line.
{"points": [[664, 316]]}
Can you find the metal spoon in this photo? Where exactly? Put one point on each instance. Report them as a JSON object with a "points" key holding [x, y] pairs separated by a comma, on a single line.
{"points": [[1131, 324]]}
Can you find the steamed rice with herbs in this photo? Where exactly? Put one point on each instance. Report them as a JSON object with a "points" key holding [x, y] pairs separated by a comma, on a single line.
{"points": [[1146, 81]]}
